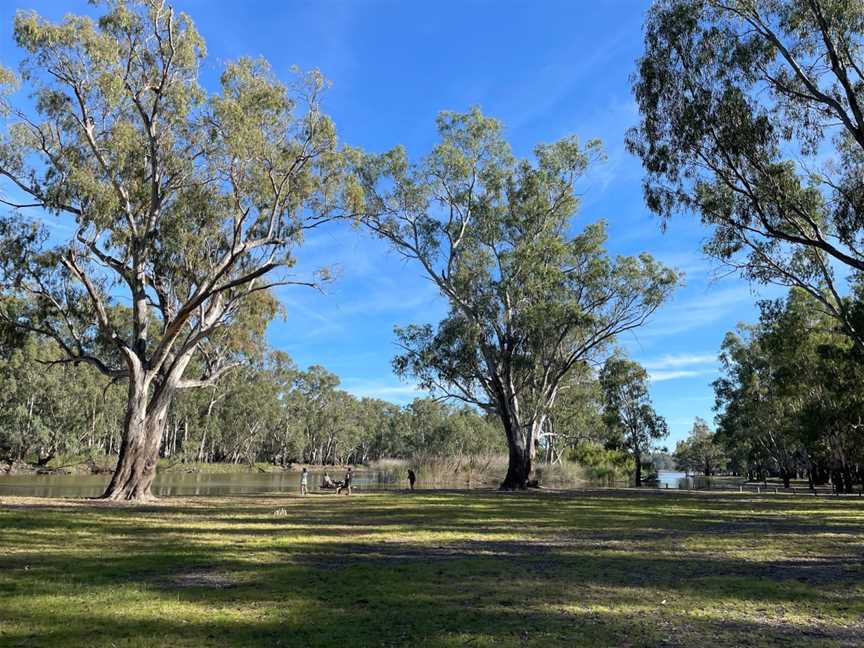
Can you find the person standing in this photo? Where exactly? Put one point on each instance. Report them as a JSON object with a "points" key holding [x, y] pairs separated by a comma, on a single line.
{"points": [[304, 482], [411, 478], [346, 484]]}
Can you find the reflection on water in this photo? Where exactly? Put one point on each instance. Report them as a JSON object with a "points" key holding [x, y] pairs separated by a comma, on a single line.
{"points": [[180, 483], [676, 479], [215, 484]]}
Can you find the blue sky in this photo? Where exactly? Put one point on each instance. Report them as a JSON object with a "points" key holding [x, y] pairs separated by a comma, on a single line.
{"points": [[546, 69]]}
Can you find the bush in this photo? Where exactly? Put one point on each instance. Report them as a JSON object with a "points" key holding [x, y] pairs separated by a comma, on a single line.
{"points": [[602, 464]]}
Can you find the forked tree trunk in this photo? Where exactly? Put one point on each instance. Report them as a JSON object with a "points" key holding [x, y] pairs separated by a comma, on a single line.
{"points": [[139, 450]]}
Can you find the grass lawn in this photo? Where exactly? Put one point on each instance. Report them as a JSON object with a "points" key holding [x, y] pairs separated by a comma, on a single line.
{"points": [[606, 568]]}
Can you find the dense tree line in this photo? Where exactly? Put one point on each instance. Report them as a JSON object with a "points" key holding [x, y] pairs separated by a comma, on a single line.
{"points": [[188, 204], [270, 411], [790, 401], [266, 411]]}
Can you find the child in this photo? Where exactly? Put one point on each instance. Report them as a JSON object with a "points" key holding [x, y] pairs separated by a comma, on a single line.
{"points": [[304, 480]]}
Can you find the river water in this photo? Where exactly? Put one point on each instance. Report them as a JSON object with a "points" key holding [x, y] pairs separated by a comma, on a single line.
{"points": [[183, 483], [676, 479], [239, 483]]}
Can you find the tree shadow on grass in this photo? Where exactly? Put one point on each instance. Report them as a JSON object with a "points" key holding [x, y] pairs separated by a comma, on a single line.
{"points": [[472, 601], [592, 571]]}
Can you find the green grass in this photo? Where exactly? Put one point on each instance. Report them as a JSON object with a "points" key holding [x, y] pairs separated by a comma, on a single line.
{"points": [[608, 568]]}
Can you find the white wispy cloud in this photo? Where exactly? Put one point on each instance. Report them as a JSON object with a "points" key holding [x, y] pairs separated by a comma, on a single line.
{"points": [[678, 360], [318, 323], [673, 366], [396, 392], [385, 295], [661, 375], [554, 82], [692, 265]]}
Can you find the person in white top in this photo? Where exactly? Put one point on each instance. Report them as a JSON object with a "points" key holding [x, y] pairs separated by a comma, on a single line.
{"points": [[304, 482]]}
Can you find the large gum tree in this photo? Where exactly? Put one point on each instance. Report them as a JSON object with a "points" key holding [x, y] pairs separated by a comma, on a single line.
{"points": [[184, 206], [530, 298]]}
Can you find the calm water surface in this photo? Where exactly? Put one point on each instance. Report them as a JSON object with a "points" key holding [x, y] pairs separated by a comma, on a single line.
{"points": [[676, 479], [216, 484], [179, 483]]}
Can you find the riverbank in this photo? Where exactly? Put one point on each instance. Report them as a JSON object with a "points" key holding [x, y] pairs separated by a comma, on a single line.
{"points": [[479, 568], [105, 466], [215, 480]]}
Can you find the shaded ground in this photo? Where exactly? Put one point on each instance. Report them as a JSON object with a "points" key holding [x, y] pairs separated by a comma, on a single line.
{"points": [[608, 568]]}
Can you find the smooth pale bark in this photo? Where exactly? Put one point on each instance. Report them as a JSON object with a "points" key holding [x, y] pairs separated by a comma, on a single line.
{"points": [[143, 427], [139, 456]]}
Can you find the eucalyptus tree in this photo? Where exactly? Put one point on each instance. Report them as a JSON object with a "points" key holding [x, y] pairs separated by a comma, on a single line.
{"points": [[436, 431], [752, 410], [53, 411], [530, 301], [35, 416], [753, 118], [376, 421], [324, 417], [791, 390], [248, 416], [576, 417], [630, 417], [186, 206], [700, 451]]}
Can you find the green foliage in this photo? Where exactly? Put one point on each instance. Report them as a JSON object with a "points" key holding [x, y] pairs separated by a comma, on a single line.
{"points": [[57, 413], [700, 452], [435, 429], [601, 462], [752, 116], [530, 302], [53, 410], [790, 397], [631, 422], [576, 416], [187, 205], [662, 460]]}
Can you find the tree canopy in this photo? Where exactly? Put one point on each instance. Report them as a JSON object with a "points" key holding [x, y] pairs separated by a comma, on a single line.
{"points": [[187, 205], [789, 400], [631, 421], [752, 116], [530, 300], [700, 452]]}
